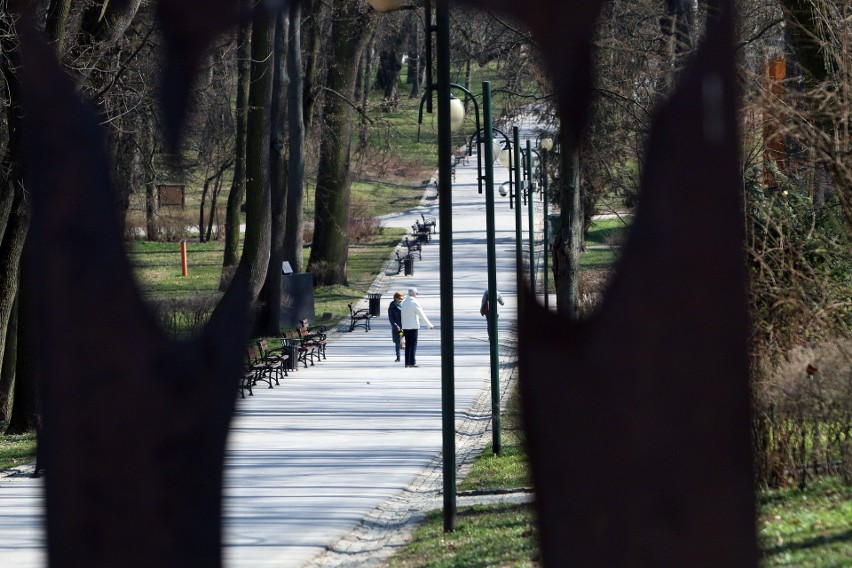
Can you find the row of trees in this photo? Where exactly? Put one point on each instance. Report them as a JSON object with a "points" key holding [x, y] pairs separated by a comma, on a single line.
{"points": [[272, 100]]}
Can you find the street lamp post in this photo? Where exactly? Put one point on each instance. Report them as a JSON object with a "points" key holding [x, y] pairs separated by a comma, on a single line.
{"points": [[510, 158], [490, 229], [528, 193], [516, 160], [546, 144], [445, 218]]}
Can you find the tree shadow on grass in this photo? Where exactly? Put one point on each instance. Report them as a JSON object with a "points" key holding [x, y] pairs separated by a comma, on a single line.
{"points": [[808, 543]]}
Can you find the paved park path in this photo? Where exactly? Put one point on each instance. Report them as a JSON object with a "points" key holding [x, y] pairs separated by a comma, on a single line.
{"points": [[323, 470]]}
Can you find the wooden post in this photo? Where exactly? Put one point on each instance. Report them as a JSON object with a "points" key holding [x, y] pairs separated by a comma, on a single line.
{"points": [[183, 258]]}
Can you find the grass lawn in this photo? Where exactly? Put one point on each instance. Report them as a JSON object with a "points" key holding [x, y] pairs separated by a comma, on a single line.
{"points": [[602, 232], [158, 271], [16, 450], [811, 528], [484, 536]]}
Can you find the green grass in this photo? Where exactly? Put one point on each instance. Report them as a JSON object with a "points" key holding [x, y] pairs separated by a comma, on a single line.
{"points": [[508, 470], [597, 259], [158, 268], [376, 198], [807, 528], [17, 450], [484, 536], [603, 231]]}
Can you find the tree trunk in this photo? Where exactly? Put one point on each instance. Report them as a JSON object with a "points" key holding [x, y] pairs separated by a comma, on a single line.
{"points": [[14, 213], [258, 218], [314, 13], [568, 241], [106, 22], [390, 59], [56, 20], [270, 314], [26, 407], [362, 88], [238, 182], [7, 369], [351, 30], [150, 211], [295, 225], [214, 201]]}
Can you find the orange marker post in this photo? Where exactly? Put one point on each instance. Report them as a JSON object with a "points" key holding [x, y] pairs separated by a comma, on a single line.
{"points": [[183, 257]]}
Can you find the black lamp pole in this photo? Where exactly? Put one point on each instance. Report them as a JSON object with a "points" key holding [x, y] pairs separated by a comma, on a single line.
{"points": [[445, 218], [490, 229]]}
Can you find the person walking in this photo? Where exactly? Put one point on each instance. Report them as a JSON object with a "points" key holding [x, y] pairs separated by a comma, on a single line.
{"points": [[412, 312], [486, 311], [395, 318]]}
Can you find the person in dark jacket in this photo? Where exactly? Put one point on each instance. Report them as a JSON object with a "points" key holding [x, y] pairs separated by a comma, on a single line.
{"points": [[395, 317]]}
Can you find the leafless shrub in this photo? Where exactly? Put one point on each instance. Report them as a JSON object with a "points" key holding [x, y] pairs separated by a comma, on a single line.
{"points": [[592, 286], [805, 409], [362, 225], [183, 318], [320, 270]]}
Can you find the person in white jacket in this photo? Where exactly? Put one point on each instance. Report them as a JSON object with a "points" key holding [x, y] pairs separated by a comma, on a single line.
{"points": [[412, 313]]}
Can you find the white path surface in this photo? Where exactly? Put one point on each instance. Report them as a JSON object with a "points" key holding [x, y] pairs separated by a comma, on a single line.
{"points": [[309, 459]]}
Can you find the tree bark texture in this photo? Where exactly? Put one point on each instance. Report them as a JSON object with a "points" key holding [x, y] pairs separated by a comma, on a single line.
{"points": [[295, 224], [14, 209], [7, 369], [271, 304], [568, 241], [26, 408], [57, 19], [351, 30], [315, 13], [106, 21], [256, 247], [238, 182]]}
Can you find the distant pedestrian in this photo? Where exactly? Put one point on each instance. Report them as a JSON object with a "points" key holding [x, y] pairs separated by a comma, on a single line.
{"points": [[412, 312], [486, 311], [395, 318]]}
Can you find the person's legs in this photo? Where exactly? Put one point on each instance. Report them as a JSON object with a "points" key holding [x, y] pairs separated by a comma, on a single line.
{"points": [[411, 347], [407, 333], [395, 337]]}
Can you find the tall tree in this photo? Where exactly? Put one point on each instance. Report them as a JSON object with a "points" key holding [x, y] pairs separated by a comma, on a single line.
{"points": [[351, 28], [270, 307], [13, 211], [238, 182], [295, 225], [258, 210]]}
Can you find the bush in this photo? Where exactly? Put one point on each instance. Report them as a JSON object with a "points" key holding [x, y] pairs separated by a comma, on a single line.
{"points": [[805, 416], [184, 318]]}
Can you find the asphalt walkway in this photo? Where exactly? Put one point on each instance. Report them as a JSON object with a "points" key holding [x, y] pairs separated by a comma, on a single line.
{"points": [[333, 466]]}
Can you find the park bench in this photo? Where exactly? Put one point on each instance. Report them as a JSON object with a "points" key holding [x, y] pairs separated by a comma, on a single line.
{"points": [[422, 231], [359, 318], [272, 356], [256, 369], [413, 246], [303, 352], [430, 222], [315, 339], [248, 379]]}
